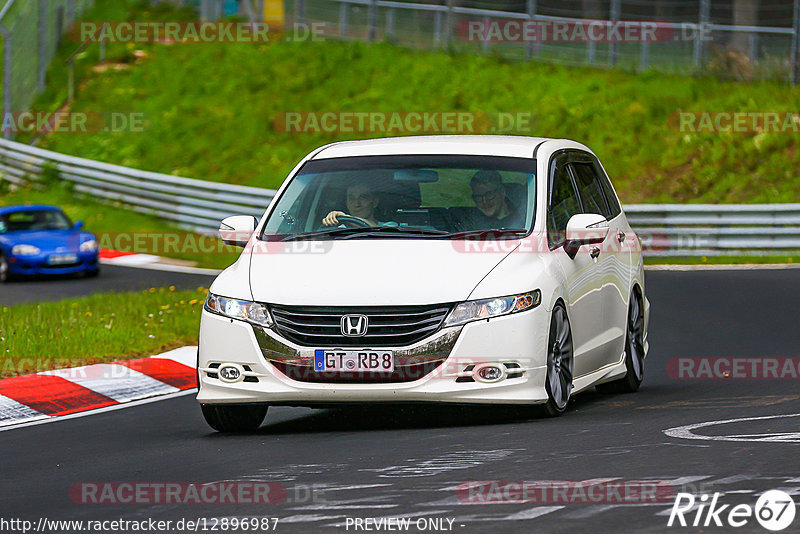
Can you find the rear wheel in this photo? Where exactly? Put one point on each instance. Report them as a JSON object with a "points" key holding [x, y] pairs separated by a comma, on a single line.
{"points": [[634, 352], [234, 417], [558, 382]]}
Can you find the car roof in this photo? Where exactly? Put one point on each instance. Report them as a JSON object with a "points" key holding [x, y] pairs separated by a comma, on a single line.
{"points": [[30, 207], [479, 145]]}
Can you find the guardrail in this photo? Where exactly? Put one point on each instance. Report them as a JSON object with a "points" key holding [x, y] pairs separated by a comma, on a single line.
{"points": [[193, 204], [716, 229], [665, 229]]}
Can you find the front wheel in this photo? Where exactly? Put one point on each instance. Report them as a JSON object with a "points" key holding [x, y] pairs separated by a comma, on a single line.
{"points": [[558, 382], [234, 417], [634, 352], [4, 269]]}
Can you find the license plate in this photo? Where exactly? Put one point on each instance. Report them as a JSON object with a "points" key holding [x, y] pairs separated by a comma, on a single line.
{"points": [[58, 259], [375, 361]]}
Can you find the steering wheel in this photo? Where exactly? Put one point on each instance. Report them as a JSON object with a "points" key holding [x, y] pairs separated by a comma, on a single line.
{"points": [[352, 222]]}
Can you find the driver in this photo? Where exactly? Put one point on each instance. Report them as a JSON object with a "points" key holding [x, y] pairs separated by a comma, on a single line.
{"points": [[361, 204]]}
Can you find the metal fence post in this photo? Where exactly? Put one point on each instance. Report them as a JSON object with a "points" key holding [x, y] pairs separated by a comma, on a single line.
{"points": [[795, 43], [300, 11], [372, 21], [449, 22], [644, 61], [699, 38], [343, 20], [485, 42], [753, 48], [42, 44], [437, 28], [612, 46], [532, 47], [390, 23], [590, 52], [7, 62]]}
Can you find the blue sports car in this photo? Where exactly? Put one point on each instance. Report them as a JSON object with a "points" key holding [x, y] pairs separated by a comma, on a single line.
{"points": [[42, 240]]}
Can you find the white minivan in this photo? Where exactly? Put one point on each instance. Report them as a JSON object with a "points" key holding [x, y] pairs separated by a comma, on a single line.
{"points": [[444, 269]]}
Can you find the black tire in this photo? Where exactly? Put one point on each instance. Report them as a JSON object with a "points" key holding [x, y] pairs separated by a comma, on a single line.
{"points": [[234, 417], [634, 351], [5, 276], [93, 274], [560, 364]]}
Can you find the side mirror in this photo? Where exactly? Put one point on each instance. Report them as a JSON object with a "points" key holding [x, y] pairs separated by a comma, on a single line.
{"points": [[585, 229], [237, 230], [78, 225]]}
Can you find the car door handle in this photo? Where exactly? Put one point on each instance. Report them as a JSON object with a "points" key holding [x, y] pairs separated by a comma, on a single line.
{"points": [[594, 252], [620, 236]]}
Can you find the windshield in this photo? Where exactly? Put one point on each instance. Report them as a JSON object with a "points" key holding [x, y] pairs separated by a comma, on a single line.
{"points": [[34, 220], [406, 196]]}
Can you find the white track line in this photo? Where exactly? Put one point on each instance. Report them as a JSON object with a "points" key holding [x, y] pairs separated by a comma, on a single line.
{"points": [[686, 431]]}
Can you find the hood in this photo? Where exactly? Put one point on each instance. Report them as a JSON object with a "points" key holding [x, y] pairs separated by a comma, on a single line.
{"points": [[369, 272], [49, 240]]}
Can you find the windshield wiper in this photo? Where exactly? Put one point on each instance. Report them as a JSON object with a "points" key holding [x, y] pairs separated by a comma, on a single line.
{"points": [[399, 230], [366, 231], [321, 233], [498, 232]]}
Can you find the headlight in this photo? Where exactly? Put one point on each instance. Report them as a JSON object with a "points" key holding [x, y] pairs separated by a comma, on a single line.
{"points": [[244, 310], [25, 250], [474, 310], [89, 246]]}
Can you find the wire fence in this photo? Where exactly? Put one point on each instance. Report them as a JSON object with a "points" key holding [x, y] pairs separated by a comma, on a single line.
{"points": [[31, 31], [738, 39]]}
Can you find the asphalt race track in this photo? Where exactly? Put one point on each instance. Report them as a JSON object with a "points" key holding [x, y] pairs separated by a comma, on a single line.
{"points": [[337, 465], [112, 278]]}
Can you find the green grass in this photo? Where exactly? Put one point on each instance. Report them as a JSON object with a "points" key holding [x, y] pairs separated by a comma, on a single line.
{"points": [[121, 229], [99, 328], [210, 110]]}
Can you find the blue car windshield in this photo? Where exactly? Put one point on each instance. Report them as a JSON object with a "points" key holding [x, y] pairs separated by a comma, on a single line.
{"points": [[30, 220]]}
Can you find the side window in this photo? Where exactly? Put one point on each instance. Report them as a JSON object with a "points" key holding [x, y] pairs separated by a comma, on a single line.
{"points": [[563, 202], [590, 190], [611, 198]]}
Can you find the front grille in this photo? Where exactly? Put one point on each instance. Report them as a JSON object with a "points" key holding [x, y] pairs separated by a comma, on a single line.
{"points": [[388, 326]]}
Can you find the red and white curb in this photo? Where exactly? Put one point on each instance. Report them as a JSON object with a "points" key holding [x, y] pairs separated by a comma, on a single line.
{"points": [[52, 394], [148, 261]]}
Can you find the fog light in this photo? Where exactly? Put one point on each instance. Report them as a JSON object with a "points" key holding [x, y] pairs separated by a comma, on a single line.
{"points": [[489, 373], [229, 373]]}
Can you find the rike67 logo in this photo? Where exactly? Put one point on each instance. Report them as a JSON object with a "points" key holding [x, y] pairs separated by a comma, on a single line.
{"points": [[774, 510]]}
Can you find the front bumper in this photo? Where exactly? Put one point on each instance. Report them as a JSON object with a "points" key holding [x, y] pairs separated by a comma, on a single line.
{"points": [[39, 265], [517, 340]]}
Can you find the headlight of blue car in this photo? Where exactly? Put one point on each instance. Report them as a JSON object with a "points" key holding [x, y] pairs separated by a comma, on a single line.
{"points": [[89, 246], [25, 250]]}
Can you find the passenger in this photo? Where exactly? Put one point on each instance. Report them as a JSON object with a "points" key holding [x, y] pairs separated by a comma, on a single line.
{"points": [[489, 194]]}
